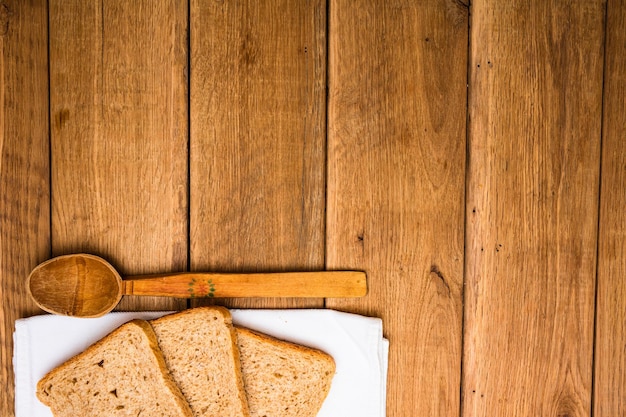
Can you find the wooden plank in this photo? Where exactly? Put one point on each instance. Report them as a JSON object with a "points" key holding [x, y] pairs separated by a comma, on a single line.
{"points": [[24, 169], [532, 207], [610, 354], [396, 184], [119, 134], [257, 138]]}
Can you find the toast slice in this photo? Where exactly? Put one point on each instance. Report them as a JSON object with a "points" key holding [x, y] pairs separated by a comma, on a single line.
{"points": [[200, 349], [122, 374], [281, 378]]}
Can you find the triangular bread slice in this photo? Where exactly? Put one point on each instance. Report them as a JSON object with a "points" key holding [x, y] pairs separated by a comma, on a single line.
{"points": [[200, 349], [281, 378], [122, 374]]}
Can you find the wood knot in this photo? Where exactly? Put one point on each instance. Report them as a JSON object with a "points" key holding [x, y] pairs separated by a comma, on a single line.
{"points": [[443, 288], [248, 51], [62, 118], [5, 17]]}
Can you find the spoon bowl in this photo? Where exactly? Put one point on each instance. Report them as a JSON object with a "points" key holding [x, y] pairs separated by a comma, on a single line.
{"points": [[86, 285], [76, 285]]}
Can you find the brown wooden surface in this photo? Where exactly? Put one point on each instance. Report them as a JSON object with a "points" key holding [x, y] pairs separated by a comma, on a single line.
{"points": [[257, 138], [118, 104], [470, 159], [610, 352], [532, 207], [396, 185], [24, 182]]}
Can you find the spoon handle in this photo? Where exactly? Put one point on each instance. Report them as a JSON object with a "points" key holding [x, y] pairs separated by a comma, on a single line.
{"points": [[228, 285]]}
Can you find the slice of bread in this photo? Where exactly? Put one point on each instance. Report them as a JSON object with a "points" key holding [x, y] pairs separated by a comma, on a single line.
{"points": [[281, 378], [122, 374], [200, 349]]}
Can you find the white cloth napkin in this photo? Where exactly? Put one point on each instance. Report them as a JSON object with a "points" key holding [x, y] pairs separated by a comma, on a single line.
{"points": [[355, 342]]}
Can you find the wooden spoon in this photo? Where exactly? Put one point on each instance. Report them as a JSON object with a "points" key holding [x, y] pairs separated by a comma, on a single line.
{"points": [[85, 285]]}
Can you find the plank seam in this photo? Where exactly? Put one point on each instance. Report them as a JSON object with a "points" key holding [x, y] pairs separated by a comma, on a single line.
{"points": [[599, 215], [326, 135], [467, 182], [50, 120], [188, 32]]}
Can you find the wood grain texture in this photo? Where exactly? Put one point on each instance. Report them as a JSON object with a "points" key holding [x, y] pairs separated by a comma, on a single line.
{"points": [[396, 168], [532, 206], [119, 134], [24, 169], [257, 138], [610, 349]]}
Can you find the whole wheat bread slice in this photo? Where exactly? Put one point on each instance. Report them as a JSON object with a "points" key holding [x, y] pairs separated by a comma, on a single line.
{"points": [[123, 374], [200, 349], [281, 378]]}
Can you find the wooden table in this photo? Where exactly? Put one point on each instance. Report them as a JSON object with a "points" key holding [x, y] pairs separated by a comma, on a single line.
{"points": [[471, 159]]}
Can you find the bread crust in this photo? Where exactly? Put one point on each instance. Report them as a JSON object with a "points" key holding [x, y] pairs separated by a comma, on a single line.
{"points": [[200, 312], [283, 387], [282, 344], [257, 391], [43, 386]]}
